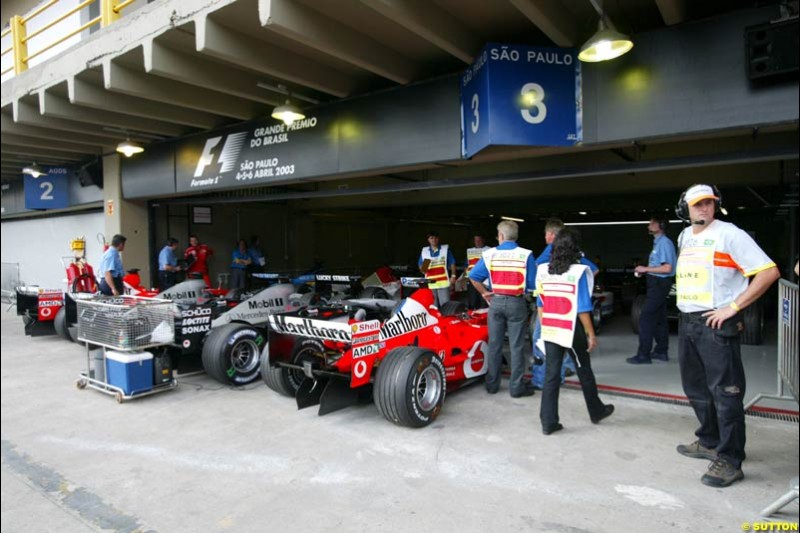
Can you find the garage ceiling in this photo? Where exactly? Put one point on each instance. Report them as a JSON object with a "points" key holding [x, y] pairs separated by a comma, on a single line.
{"points": [[173, 68]]}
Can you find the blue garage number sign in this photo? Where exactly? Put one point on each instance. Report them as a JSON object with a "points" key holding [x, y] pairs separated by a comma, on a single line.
{"points": [[522, 96], [49, 191]]}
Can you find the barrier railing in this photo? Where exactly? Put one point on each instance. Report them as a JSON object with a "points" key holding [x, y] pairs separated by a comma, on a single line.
{"points": [[787, 346], [110, 11], [787, 372]]}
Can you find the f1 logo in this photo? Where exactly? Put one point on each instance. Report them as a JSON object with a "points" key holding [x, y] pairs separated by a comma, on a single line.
{"points": [[227, 157]]}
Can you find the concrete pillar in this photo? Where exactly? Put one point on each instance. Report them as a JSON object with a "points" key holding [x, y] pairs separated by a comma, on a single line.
{"points": [[128, 218]]}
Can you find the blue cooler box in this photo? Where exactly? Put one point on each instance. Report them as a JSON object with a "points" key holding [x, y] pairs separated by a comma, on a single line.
{"points": [[130, 371]]}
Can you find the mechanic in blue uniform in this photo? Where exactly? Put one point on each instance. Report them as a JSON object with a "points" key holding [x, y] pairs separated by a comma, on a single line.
{"points": [[440, 261], [240, 260], [564, 286], [168, 264], [512, 272], [111, 269], [660, 271], [257, 254], [552, 227]]}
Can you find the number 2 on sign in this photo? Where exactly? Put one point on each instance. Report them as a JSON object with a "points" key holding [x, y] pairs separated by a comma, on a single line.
{"points": [[47, 194], [533, 98]]}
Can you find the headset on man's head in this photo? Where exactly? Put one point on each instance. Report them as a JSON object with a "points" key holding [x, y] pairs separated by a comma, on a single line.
{"points": [[682, 209]]}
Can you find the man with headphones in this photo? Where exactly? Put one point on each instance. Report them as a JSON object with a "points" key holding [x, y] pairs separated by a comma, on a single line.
{"points": [[660, 272], [715, 261]]}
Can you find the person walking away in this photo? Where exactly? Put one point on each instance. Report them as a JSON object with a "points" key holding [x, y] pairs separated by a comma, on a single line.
{"points": [[511, 271], [716, 259], [660, 272], [552, 227], [564, 289], [111, 269]]}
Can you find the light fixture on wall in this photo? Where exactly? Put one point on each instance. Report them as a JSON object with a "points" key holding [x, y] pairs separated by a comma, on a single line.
{"points": [[33, 170], [607, 43], [129, 148], [288, 113]]}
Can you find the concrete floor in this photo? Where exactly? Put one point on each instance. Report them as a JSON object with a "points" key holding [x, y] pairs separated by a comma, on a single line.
{"points": [[617, 342], [207, 458]]}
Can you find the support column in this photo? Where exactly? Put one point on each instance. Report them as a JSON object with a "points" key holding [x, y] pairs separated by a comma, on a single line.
{"points": [[128, 218]]}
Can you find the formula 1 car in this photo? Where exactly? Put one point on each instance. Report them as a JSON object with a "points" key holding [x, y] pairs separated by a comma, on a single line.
{"points": [[602, 307], [225, 335], [408, 354]]}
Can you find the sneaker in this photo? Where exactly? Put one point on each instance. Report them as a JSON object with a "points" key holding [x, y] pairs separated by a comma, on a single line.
{"points": [[639, 360], [492, 390], [552, 429], [608, 409], [660, 357], [721, 474], [696, 450]]}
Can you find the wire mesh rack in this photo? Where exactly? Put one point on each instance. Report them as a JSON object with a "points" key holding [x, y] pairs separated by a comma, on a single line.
{"points": [[123, 324], [126, 322]]}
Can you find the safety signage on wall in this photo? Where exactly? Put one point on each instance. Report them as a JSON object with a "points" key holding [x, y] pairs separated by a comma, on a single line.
{"points": [[49, 191], [523, 96]]}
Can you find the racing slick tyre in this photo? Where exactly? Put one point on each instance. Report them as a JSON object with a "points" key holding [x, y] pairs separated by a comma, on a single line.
{"points": [[286, 381], [60, 324], [410, 386], [231, 353], [376, 293], [753, 322], [453, 308], [636, 311], [597, 317]]}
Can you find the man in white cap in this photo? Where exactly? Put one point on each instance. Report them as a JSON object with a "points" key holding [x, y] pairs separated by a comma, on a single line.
{"points": [[715, 261]]}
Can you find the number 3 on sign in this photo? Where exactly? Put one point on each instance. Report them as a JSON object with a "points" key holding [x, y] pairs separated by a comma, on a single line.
{"points": [[533, 98], [47, 190], [476, 122]]}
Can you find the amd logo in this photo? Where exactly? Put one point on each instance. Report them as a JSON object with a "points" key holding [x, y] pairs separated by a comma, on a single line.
{"points": [[227, 156]]}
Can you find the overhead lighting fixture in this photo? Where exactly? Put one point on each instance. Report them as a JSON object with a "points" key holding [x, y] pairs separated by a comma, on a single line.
{"points": [[615, 223], [583, 213], [607, 43], [129, 148], [34, 170], [288, 113], [513, 219]]}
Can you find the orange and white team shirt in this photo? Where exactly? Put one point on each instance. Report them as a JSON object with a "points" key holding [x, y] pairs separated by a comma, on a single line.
{"points": [[713, 266]]}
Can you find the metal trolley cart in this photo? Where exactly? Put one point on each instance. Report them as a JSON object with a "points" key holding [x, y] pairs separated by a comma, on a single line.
{"points": [[125, 325]]}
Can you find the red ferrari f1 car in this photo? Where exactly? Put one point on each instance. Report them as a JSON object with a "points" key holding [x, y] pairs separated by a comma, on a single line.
{"points": [[407, 353]]}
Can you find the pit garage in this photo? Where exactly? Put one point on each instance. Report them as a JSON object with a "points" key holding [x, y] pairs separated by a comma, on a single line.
{"points": [[355, 225]]}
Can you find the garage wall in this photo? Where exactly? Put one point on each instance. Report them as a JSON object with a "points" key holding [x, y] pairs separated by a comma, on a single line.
{"points": [[682, 79], [38, 244]]}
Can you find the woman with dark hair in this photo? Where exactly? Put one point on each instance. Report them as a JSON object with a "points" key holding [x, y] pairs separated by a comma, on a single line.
{"points": [[564, 287]]}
